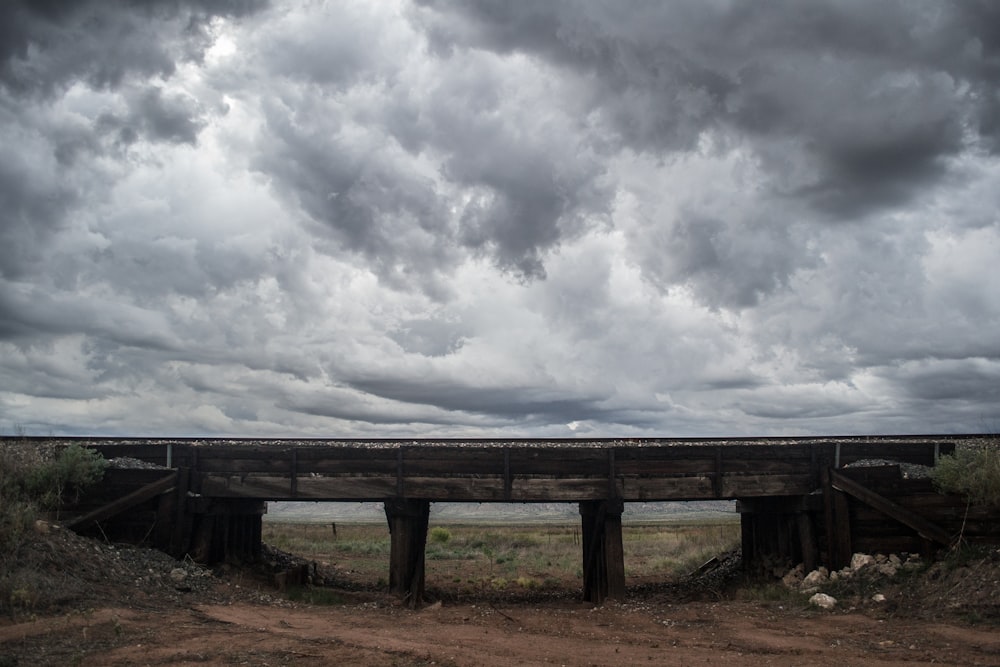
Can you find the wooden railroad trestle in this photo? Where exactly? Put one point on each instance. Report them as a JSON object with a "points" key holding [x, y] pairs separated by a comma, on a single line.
{"points": [[793, 492]]}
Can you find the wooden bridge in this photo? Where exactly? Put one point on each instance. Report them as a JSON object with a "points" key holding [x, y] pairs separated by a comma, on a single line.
{"points": [[205, 497]]}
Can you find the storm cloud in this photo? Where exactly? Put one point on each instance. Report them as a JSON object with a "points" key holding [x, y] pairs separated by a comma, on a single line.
{"points": [[496, 218]]}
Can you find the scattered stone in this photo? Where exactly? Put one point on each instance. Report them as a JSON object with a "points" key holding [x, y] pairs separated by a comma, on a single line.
{"points": [[859, 561], [823, 601], [793, 579], [815, 578], [878, 597], [887, 569]]}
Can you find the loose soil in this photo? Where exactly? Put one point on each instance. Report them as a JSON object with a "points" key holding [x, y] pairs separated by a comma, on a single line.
{"points": [[81, 602]]}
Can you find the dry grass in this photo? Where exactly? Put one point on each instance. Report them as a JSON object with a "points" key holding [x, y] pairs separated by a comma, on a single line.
{"points": [[502, 556]]}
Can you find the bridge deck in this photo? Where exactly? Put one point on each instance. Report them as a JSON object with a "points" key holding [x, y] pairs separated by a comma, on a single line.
{"points": [[515, 470]]}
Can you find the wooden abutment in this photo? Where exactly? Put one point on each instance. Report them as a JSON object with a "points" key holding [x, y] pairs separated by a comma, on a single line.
{"points": [[799, 498]]}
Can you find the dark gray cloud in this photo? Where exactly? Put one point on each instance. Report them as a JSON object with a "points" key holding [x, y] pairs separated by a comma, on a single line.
{"points": [[47, 44], [155, 117], [523, 406], [33, 202], [878, 96]]}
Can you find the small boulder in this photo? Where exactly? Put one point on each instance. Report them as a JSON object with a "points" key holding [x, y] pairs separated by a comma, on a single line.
{"points": [[878, 597], [860, 561], [887, 569], [817, 577], [178, 575], [823, 601], [793, 578]]}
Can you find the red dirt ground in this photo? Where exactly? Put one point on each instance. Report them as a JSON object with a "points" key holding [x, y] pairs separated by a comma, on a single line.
{"points": [[123, 606]]}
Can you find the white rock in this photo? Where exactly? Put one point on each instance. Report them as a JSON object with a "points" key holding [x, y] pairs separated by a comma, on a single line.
{"points": [[887, 569], [823, 601], [859, 561], [815, 578], [878, 597], [794, 577]]}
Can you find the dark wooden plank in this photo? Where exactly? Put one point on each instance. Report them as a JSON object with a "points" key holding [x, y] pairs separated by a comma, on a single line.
{"points": [[271, 487], [844, 543], [534, 489], [118, 506], [657, 467], [455, 489], [667, 488], [737, 486], [925, 528]]}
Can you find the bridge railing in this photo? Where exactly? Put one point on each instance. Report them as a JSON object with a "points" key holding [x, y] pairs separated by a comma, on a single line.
{"points": [[518, 470]]}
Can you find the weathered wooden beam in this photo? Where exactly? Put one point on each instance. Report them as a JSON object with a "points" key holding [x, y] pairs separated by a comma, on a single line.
{"points": [[180, 536], [747, 541], [603, 553], [125, 502], [408, 537], [924, 528]]}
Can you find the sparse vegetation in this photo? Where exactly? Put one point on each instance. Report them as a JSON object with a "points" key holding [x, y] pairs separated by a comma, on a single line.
{"points": [[972, 471], [33, 481], [499, 557]]}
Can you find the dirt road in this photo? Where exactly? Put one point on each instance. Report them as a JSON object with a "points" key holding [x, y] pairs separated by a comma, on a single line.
{"points": [[380, 633]]}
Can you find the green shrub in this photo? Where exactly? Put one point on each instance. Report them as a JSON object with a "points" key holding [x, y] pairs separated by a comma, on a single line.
{"points": [[440, 535], [63, 480], [972, 471], [32, 480]]}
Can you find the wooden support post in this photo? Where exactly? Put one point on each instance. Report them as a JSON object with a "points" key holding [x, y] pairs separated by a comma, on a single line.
{"points": [[180, 538], [842, 511], [166, 512], [830, 522], [603, 553], [807, 541], [408, 537], [747, 540]]}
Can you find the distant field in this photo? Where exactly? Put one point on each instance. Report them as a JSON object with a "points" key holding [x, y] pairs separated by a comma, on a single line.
{"points": [[465, 557], [493, 513]]}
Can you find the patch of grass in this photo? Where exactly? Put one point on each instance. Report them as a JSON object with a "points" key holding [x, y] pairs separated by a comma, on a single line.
{"points": [[485, 556], [966, 555]]}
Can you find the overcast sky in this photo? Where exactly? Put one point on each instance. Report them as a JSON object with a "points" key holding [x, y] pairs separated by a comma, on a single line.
{"points": [[572, 219]]}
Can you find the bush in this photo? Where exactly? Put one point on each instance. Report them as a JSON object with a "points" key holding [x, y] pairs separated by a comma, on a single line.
{"points": [[32, 480], [972, 471], [440, 535], [63, 480]]}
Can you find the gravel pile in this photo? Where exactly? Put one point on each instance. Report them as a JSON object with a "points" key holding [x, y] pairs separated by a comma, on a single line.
{"points": [[908, 470], [129, 463]]}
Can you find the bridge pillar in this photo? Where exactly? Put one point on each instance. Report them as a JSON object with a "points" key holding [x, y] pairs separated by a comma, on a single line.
{"points": [[603, 554], [408, 537]]}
